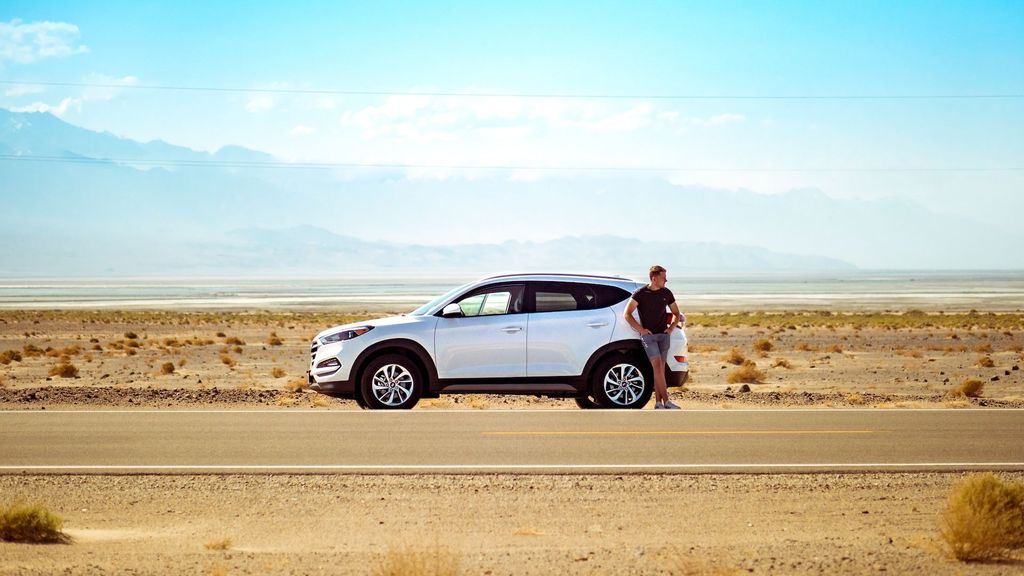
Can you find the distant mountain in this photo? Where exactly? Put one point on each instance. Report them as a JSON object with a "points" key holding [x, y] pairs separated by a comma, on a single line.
{"points": [[103, 214], [309, 251]]}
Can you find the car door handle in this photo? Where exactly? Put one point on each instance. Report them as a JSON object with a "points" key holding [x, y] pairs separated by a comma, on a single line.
{"points": [[512, 329], [596, 324]]}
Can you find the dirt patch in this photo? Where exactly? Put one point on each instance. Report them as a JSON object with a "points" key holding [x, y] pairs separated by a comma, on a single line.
{"points": [[497, 524]]}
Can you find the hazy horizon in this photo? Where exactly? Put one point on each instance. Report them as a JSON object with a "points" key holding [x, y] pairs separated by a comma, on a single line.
{"points": [[869, 135]]}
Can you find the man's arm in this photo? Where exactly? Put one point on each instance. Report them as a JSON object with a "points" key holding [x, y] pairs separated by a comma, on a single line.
{"points": [[628, 316], [677, 318]]}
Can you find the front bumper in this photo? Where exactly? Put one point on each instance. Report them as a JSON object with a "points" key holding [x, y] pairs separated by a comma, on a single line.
{"points": [[337, 388]]}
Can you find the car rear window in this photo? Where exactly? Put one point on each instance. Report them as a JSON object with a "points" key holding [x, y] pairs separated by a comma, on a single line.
{"points": [[563, 296], [608, 295]]}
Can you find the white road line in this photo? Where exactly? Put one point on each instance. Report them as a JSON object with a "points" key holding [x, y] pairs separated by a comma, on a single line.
{"points": [[971, 465], [512, 410]]}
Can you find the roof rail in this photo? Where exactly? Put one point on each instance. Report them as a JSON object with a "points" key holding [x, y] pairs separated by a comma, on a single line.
{"points": [[557, 274]]}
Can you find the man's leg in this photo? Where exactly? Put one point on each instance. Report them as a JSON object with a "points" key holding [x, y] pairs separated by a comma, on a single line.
{"points": [[660, 388]]}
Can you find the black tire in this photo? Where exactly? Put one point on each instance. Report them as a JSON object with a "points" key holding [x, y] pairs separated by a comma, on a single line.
{"points": [[358, 397], [399, 383], [586, 403], [630, 382]]}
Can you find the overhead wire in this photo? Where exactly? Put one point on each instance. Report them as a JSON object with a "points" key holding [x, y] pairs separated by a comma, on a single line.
{"points": [[552, 95]]}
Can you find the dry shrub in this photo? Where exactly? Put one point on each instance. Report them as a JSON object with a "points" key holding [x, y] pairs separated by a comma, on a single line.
{"points": [[130, 351], [234, 341], [855, 398], [985, 348], [65, 370], [286, 401], [985, 362], [803, 347], [221, 335], [218, 570], [131, 335], [167, 368], [181, 363], [237, 349], [734, 356], [319, 401], [228, 360], [782, 363], [277, 372], [218, 544], [68, 351], [763, 345], [748, 372], [835, 349], [984, 518], [971, 388], [32, 523], [430, 561], [297, 385], [8, 356], [31, 350], [274, 339]]}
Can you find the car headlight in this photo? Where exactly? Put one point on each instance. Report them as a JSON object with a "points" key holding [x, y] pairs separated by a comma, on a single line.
{"points": [[345, 334]]}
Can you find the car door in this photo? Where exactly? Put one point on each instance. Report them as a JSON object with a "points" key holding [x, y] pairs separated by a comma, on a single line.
{"points": [[565, 328], [489, 340]]}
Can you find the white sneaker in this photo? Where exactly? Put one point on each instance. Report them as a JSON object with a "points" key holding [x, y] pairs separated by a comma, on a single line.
{"points": [[670, 406], [659, 406]]}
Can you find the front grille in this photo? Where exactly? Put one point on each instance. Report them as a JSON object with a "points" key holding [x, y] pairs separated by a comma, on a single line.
{"points": [[312, 350]]}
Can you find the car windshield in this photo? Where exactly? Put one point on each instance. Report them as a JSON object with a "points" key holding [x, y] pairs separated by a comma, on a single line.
{"points": [[449, 294]]}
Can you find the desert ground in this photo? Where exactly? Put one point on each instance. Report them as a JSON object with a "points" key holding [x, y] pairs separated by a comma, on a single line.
{"points": [[161, 359], [499, 523], [495, 524]]}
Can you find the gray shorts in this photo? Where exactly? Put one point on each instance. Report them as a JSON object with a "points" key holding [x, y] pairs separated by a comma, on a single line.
{"points": [[656, 345]]}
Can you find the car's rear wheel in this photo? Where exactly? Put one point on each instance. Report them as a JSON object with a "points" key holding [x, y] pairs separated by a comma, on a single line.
{"points": [[391, 382], [622, 382]]}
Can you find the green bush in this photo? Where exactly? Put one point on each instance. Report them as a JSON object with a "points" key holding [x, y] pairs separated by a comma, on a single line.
{"points": [[31, 523]]}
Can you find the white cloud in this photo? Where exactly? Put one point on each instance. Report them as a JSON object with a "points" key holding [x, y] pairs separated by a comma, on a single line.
{"points": [[300, 130], [24, 43], [260, 104], [720, 119], [324, 103], [23, 89], [111, 86], [427, 118], [58, 110]]}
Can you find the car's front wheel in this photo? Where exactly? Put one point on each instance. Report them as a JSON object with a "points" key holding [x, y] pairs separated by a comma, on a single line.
{"points": [[586, 403], [622, 382], [391, 382]]}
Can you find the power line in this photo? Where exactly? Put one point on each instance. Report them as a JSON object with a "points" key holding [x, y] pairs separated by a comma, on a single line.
{"points": [[563, 95], [500, 167]]}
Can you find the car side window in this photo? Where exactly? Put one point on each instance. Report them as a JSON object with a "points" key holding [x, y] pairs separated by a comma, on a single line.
{"points": [[562, 296], [507, 299]]}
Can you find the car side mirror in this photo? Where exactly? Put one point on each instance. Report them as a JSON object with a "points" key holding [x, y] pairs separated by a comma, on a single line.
{"points": [[453, 310]]}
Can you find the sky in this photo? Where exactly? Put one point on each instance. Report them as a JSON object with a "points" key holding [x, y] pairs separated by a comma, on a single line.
{"points": [[715, 50]]}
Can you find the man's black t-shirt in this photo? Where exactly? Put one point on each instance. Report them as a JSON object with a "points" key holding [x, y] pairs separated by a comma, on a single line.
{"points": [[651, 306]]}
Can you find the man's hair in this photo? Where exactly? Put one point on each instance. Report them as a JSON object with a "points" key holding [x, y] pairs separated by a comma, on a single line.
{"points": [[655, 270]]}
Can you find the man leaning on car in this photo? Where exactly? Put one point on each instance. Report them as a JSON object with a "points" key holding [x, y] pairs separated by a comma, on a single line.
{"points": [[655, 332]]}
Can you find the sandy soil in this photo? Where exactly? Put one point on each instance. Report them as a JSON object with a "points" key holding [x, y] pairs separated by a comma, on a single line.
{"points": [[492, 524], [496, 524], [233, 359]]}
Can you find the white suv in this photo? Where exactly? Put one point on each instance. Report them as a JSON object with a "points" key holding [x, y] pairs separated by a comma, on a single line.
{"points": [[554, 335]]}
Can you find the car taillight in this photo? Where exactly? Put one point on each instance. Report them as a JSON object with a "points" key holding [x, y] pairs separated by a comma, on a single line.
{"points": [[680, 359]]}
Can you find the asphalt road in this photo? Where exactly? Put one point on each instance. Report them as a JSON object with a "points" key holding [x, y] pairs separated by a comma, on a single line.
{"points": [[525, 441]]}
